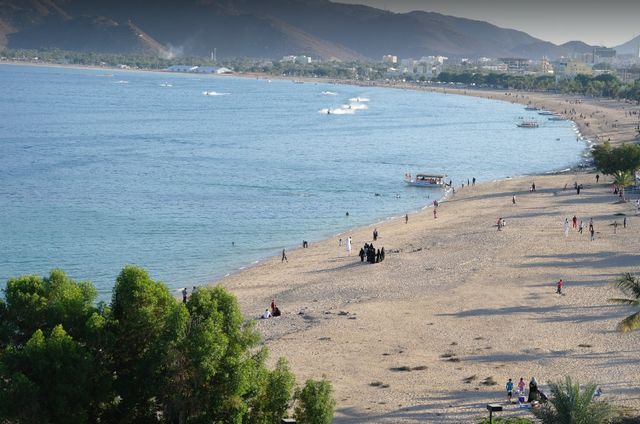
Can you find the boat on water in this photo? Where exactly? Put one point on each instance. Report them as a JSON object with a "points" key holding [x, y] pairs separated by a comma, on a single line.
{"points": [[527, 124], [546, 113], [425, 180], [531, 108], [556, 118]]}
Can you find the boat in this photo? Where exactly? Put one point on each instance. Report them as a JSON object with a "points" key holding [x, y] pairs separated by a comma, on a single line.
{"points": [[556, 118], [528, 124], [425, 180], [531, 108], [546, 113]]}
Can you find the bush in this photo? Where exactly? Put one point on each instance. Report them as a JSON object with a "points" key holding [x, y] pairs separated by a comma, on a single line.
{"points": [[570, 404], [314, 403]]}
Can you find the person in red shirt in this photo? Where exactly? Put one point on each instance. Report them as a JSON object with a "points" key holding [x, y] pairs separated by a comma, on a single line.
{"points": [[559, 285]]}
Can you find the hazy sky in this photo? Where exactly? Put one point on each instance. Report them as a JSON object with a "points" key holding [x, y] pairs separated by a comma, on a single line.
{"points": [[603, 22]]}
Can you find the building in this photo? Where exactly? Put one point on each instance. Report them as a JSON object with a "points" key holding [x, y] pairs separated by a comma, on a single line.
{"points": [[390, 59], [515, 64], [603, 53]]}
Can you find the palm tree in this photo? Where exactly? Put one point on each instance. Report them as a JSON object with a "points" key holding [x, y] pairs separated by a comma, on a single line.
{"points": [[630, 286], [570, 405]]}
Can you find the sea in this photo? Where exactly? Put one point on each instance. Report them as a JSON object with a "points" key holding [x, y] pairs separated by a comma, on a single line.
{"points": [[194, 177]]}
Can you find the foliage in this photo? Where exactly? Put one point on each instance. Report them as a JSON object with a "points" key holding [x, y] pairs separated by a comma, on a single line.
{"points": [[314, 403], [571, 404], [145, 358], [630, 286], [621, 162], [510, 420]]}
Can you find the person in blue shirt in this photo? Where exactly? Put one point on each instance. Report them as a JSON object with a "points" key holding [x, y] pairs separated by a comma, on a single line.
{"points": [[509, 390]]}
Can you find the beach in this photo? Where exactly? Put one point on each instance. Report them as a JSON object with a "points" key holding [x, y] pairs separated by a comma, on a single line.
{"points": [[457, 303]]}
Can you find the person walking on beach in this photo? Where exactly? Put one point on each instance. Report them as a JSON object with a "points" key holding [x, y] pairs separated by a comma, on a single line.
{"points": [[361, 254], [339, 242], [574, 222], [406, 218], [566, 227], [435, 213], [473, 181], [375, 234], [624, 222], [597, 178], [581, 227], [513, 199], [349, 246], [284, 256], [592, 233], [509, 388], [559, 285], [615, 227]]}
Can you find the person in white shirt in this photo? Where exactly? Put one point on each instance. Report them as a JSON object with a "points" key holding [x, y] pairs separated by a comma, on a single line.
{"points": [[266, 314]]}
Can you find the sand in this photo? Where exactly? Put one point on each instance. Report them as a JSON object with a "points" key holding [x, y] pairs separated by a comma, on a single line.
{"points": [[456, 287]]}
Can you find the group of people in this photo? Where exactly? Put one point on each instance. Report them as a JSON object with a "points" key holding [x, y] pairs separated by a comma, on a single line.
{"points": [[535, 395], [580, 228], [373, 256], [274, 311]]}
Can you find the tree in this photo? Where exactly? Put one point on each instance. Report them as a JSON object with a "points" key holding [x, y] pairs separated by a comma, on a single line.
{"points": [[314, 403], [571, 404], [630, 286], [620, 162], [271, 402], [49, 380]]}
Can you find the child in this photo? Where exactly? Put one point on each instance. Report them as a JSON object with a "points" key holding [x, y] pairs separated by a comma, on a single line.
{"points": [[509, 390], [559, 285]]}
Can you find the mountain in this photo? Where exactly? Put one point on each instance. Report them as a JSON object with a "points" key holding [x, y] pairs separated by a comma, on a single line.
{"points": [[630, 47], [256, 28]]}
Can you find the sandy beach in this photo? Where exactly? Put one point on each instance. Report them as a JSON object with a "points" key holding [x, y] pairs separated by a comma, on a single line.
{"points": [[457, 302]]}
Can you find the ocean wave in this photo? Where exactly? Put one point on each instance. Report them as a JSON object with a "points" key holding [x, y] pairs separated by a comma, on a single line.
{"points": [[214, 93], [329, 93], [121, 82], [359, 99], [355, 106]]}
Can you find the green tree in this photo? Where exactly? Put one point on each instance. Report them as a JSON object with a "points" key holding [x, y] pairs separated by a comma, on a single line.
{"points": [[275, 390], [620, 162], [48, 381], [571, 404], [630, 286], [314, 403]]}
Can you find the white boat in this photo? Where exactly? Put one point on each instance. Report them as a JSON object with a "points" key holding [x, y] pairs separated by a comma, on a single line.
{"points": [[531, 108], [425, 180], [528, 124]]}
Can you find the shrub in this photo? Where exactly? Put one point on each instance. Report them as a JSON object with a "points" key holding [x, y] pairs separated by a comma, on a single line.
{"points": [[314, 403]]}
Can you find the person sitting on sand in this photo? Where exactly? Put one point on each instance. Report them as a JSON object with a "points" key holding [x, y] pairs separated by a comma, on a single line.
{"points": [[276, 312], [266, 314]]}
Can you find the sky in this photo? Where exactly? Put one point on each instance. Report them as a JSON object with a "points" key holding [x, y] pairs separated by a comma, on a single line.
{"points": [[597, 22]]}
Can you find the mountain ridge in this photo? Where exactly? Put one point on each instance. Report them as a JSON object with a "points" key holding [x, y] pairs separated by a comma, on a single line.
{"points": [[258, 28]]}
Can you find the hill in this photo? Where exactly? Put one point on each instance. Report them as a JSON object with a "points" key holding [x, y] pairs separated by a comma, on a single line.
{"points": [[255, 28]]}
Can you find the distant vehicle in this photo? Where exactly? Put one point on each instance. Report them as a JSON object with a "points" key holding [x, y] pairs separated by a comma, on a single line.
{"points": [[425, 180]]}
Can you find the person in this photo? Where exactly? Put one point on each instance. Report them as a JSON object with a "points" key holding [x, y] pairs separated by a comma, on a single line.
{"points": [[578, 189], [276, 312], [592, 233], [534, 395], [406, 218], [521, 385], [513, 199], [273, 305], [574, 221], [590, 224], [266, 314], [581, 227], [597, 178], [473, 181], [305, 244], [435, 203], [615, 227], [435, 213], [347, 214], [382, 254], [509, 388], [566, 227], [284, 256], [559, 285], [184, 295], [378, 256], [375, 234], [533, 186], [361, 254], [624, 222], [349, 246], [499, 224], [339, 242]]}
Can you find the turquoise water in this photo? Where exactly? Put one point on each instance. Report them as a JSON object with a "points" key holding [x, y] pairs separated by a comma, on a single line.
{"points": [[100, 170]]}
